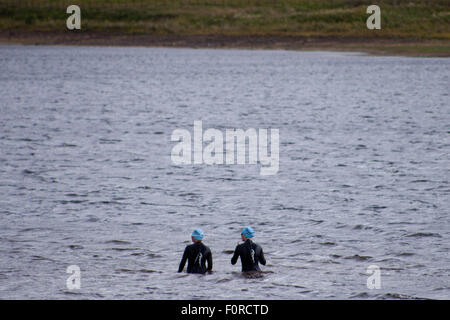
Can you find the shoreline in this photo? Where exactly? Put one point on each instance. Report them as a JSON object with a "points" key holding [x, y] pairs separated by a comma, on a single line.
{"points": [[372, 46]]}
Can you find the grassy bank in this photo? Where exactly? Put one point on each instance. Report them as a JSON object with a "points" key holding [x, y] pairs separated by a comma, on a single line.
{"points": [[424, 23]]}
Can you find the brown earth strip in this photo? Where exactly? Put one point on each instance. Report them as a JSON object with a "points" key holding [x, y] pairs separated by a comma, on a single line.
{"points": [[379, 46]]}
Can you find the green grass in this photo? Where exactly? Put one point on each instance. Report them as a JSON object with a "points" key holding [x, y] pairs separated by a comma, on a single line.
{"points": [[424, 23], [344, 18]]}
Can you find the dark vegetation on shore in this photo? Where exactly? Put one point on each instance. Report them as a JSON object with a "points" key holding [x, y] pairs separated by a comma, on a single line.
{"points": [[408, 26]]}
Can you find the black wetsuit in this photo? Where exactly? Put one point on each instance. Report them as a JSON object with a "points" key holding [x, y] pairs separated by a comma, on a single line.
{"points": [[197, 254], [250, 253]]}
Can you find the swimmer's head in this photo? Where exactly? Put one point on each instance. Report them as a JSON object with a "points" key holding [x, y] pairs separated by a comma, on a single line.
{"points": [[247, 233], [198, 235]]}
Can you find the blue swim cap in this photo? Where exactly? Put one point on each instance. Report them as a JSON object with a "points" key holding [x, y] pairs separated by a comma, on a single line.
{"points": [[198, 234], [248, 232]]}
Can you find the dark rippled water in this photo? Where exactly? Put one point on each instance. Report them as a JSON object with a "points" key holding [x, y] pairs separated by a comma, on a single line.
{"points": [[86, 176]]}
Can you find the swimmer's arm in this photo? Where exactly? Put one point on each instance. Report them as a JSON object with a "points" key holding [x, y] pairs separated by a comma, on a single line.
{"points": [[210, 261], [262, 259], [235, 255], [183, 260]]}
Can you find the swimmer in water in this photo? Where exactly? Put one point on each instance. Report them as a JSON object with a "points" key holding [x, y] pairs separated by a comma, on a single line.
{"points": [[250, 252], [197, 254]]}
